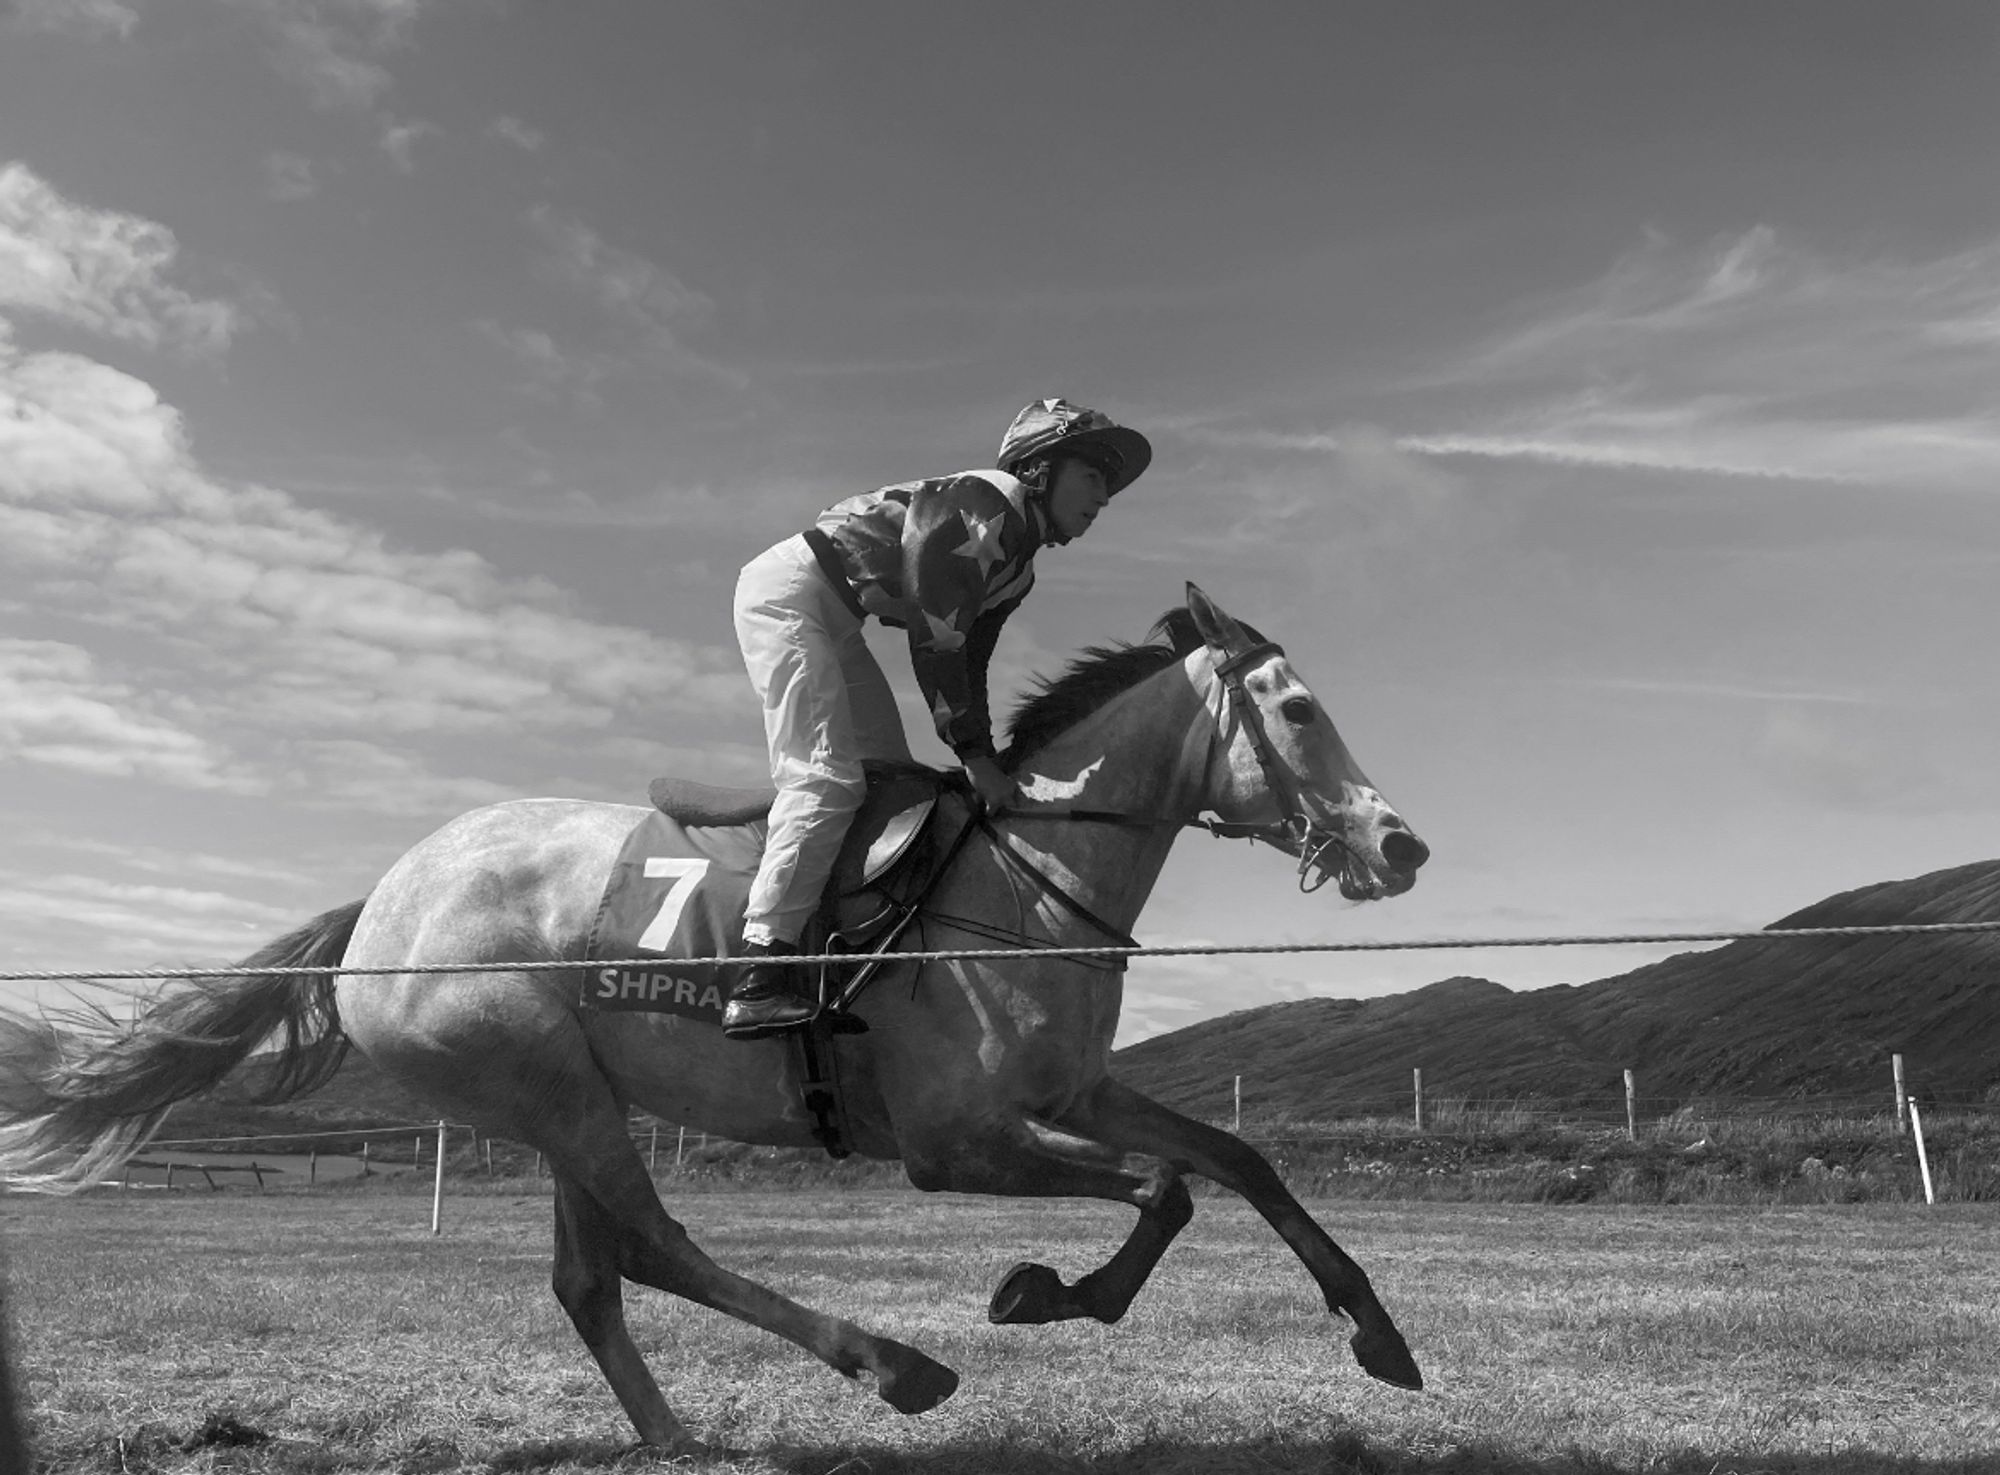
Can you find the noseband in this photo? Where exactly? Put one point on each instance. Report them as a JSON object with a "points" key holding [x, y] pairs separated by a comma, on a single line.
{"points": [[1299, 832]]}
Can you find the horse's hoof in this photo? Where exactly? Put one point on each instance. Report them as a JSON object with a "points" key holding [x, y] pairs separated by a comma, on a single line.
{"points": [[1028, 1295], [912, 1383], [1385, 1355]]}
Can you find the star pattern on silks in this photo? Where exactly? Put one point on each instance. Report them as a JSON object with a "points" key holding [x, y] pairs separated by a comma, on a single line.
{"points": [[941, 713], [944, 633], [982, 541]]}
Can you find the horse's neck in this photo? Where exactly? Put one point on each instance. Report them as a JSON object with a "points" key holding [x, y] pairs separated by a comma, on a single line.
{"points": [[1144, 756]]}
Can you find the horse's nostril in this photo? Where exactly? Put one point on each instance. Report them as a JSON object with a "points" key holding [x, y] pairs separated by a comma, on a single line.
{"points": [[1405, 851]]}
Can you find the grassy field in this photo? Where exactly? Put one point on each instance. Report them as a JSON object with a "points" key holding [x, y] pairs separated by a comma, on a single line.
{"points": [[1795, 1340]]}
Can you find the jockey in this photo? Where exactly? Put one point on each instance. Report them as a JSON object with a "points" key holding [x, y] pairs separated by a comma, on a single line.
{"points": [[946, 559]]}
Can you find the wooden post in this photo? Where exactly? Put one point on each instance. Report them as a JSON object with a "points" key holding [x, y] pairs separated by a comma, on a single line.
{"points": [[417, 1153], [170, 1175], [210, 1177], [312, 1166], [653, 1149], [1417, 1082], [1923, 1158], [1237, 1125], [1631, 1106], [437, 1187], [538, 1167], [489, 1157], [365, 1169], [1902, 1101], [680, 1147], [260, 1175]]}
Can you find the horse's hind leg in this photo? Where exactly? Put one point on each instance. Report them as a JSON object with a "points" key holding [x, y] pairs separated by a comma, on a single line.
{"points": [[650, 1247], [588, 1285]]}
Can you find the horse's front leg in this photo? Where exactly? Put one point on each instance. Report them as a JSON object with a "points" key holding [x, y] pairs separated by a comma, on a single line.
{"points": [[1027, 1157], [1121, 1118]]}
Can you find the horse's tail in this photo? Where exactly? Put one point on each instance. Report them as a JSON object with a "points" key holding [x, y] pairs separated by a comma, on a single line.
{"points": [[81, 1089]]}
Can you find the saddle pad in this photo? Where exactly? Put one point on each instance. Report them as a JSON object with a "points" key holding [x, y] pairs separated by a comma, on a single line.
{"points": [[675, 892]]}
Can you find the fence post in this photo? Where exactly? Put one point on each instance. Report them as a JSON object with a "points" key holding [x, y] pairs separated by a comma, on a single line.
{"points": [[680, 1146], [653, 1150], [1902, 1120], [1238, 1127], [312, 1166], [170, 1175], [437, 1187], [538, 1167], [1631, 1106], [365, 1169], [1417, 1084], [1923, 1158], [489, 1157]]}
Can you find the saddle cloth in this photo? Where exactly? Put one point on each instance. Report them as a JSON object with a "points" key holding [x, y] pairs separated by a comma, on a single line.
{"points": [[682, 881]]}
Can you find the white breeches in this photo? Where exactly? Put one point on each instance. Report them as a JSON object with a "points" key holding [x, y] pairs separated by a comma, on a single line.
{"points": [[827, 706]]}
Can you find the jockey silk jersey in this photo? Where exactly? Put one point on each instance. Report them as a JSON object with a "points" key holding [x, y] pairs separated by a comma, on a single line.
{"points": [[948, 560]]}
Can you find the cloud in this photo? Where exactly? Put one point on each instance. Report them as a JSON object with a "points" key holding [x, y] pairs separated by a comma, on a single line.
{"points": [[136, 924], [56, 710], [325, 45], [521, 135], [399, 141], [91, 20], [289, 176], [99, 269], [624, 284], [552, 370], [1745, 358], [644, 299], [252, 631]]}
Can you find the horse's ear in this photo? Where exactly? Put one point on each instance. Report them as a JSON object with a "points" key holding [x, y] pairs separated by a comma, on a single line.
{"points": [[1221, 633]]}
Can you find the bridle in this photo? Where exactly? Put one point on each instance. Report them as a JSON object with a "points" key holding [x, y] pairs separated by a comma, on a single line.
{"points": [[1299, 831]]}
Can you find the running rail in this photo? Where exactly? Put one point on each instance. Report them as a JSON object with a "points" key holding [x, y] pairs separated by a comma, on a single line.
{"points": [[988, 955]]}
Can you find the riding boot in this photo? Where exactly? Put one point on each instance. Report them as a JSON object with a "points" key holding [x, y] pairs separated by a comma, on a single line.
{"points": [[764, 999]]}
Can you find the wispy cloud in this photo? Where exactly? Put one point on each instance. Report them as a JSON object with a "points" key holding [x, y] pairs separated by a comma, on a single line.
{"points": [[328, 46], [644, 299], [101, 270], [1746, 358], [56, 709], [522, 135], [91, 19], [259, 640], [132, 924], [289, 176], [624, 283], [398, 139]]}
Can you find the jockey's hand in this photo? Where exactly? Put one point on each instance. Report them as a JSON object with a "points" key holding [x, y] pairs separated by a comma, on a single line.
{"points": [[990, 782]]}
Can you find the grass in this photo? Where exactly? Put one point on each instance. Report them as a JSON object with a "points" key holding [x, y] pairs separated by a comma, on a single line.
{"points": [[1557, 1340]]}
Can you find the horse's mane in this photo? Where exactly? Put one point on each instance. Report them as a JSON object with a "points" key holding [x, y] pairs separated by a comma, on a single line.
{"points": [[1097, 675]]}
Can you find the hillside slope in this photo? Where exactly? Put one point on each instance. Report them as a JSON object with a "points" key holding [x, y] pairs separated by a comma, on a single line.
{"points": [[1772, 1018]]}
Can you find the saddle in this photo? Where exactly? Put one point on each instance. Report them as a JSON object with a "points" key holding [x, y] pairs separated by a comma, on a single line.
{"points": [[886, 866], [881, 869]]}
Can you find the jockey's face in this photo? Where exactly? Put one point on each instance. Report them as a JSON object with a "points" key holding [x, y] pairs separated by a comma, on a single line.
{"points": [[1077, 493]]}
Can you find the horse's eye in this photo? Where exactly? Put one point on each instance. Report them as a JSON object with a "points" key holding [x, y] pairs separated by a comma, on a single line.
{"points": [[1298, 710]]}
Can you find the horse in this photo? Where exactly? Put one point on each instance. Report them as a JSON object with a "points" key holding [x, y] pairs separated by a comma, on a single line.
{"points": [[982, 1075]]}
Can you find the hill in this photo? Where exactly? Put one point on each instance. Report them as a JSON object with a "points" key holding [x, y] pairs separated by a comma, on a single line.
{"points": [[1785, 1018]]}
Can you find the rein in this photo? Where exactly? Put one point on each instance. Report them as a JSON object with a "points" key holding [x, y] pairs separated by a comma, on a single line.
{"points": [[1299, 832]]}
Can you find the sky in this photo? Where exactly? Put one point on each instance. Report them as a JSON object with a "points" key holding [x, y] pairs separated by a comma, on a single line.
{"points": [[1598, 402]]}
